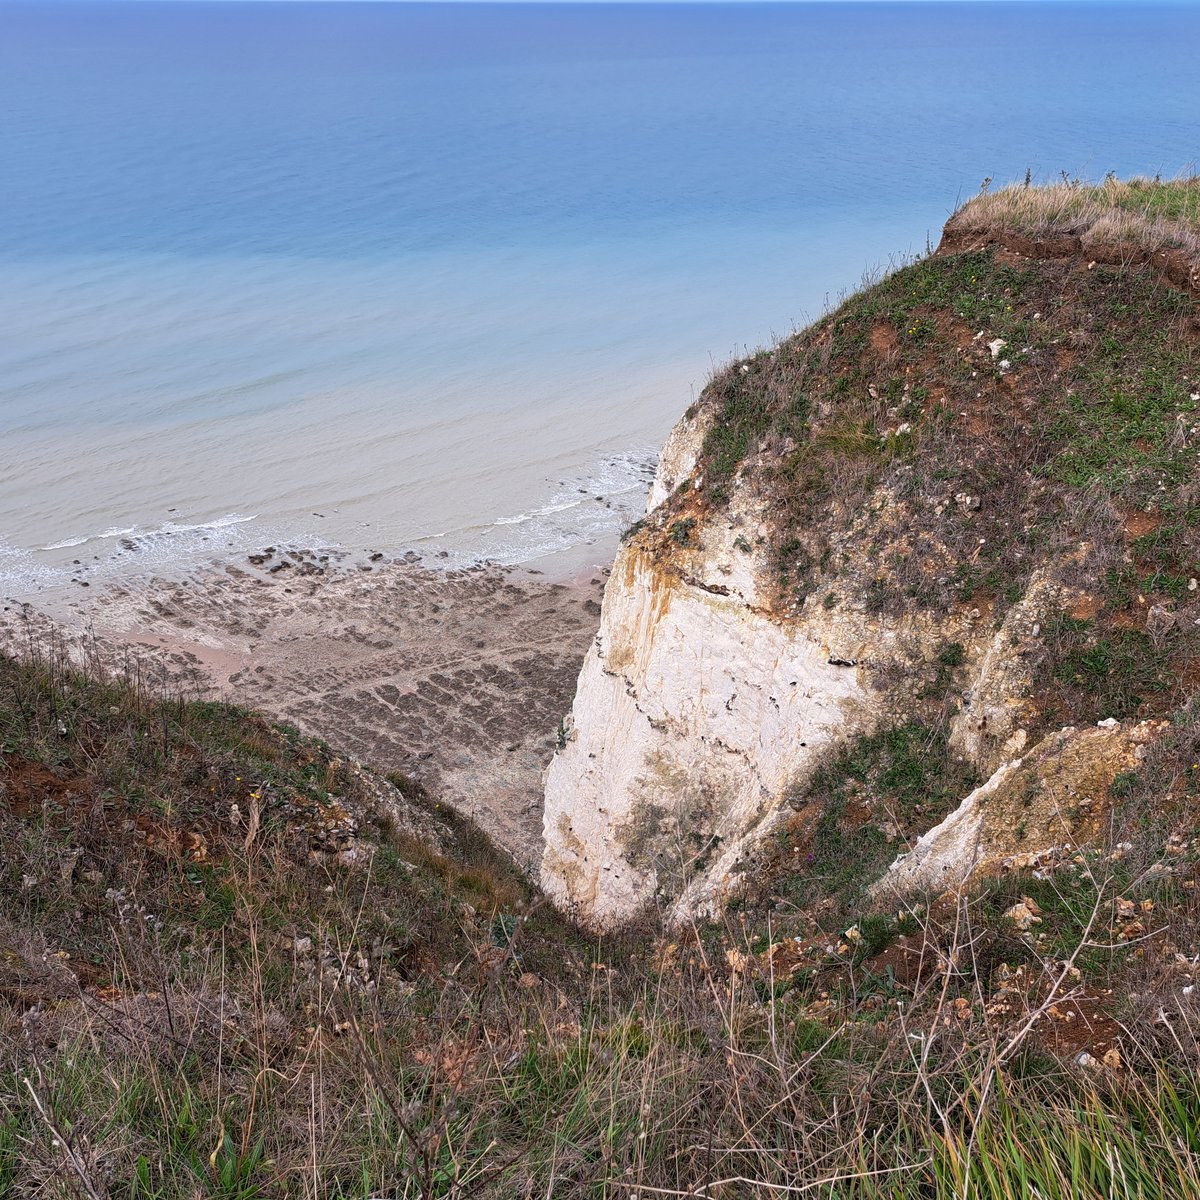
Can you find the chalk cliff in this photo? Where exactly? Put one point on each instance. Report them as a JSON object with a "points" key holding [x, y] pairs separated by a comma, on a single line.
{"points": [[930, 507]]}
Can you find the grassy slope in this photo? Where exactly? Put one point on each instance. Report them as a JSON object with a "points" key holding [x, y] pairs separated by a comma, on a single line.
{"points": [[1088, 439], [259, 1024], [179, 947], [189, 1009], [1089, 400]]}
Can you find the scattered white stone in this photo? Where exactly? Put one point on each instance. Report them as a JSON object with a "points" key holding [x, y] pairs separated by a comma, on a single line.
{"points": [[1024, 913], [996, 346]]}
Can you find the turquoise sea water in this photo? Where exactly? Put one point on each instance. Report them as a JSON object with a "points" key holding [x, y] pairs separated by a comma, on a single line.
{"points": [[442, 276]]}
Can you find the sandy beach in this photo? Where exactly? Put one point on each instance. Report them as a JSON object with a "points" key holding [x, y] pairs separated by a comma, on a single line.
{"points": [[458, 678]]}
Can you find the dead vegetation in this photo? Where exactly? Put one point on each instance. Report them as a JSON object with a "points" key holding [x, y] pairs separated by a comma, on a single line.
{"points": [[1118, 220]]}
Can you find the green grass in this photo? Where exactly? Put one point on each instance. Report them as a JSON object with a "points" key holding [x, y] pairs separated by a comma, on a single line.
{"points": [[646, 1100], [441, 1033], [1117, 422], [1126, 387], [891, 406], [1106, 674], [1088, 1147], [904, 777]]}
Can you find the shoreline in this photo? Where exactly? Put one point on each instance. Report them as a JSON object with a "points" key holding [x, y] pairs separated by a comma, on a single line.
{"points": [[455, 676], [570, 521]]}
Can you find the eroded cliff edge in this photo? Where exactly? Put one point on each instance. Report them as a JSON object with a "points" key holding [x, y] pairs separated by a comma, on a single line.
{"points": [[962, 508]]}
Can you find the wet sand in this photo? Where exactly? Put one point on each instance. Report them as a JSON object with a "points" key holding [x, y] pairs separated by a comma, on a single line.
{"points": [[458, 678]]}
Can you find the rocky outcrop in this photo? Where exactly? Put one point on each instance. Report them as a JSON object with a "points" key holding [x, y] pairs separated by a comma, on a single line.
{"points": [[989, 727], [1054, 798], [702, 708]]}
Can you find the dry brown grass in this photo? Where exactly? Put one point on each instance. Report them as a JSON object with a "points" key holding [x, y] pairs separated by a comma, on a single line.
{"points": [[672, 1076], [1151, 215]]}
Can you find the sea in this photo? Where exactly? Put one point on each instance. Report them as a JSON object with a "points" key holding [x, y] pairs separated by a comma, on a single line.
{"points": [[439, 277]]}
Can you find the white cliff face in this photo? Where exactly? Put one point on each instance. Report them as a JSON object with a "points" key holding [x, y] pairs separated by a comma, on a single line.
{"points": [[678, 457], [702, 709], [871, 549], [694, 712]]}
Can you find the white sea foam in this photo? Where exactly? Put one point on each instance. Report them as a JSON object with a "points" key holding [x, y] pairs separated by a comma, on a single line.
{"points": [[21, 574], [138, 535], [180, 539], [220, 523], [593, 506], [173, 547], [545, 511], [170, 528]]}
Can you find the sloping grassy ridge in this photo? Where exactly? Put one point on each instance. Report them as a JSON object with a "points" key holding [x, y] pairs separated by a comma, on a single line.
{"points": [[252, 1017], [982, 416]]}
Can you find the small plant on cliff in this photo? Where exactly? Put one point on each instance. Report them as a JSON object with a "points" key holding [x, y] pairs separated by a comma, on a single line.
{"points": [[681, 531], [870, 798]]}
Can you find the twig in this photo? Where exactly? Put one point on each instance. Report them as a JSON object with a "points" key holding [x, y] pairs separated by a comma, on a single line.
{"points": [[62, 1141]]}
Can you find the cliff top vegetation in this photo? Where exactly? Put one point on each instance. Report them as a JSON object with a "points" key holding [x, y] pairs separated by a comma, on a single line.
{"points": [[1152, 214], [1009, 406]]}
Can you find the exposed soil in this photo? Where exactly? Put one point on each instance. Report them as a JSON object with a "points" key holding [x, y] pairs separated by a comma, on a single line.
{"points": [[1139, 523], [1175, 265], [884, 341], [1086, 607], [26, 785]]}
